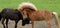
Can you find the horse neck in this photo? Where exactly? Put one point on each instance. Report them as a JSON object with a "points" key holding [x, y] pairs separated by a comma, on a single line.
{"points": [[30, 12]]}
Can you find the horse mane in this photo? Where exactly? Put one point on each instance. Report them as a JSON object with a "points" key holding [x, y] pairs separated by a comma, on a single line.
{"points": [[27, 5]]}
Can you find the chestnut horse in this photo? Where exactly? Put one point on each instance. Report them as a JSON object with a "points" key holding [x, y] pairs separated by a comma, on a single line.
{"points": [[39, 15]]}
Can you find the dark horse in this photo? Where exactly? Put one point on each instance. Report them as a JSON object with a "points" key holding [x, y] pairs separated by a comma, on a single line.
{"points": [[12, 14], [26, 21]]}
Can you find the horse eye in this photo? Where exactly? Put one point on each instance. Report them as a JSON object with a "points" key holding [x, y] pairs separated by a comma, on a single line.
{"points": [[21, 10]]}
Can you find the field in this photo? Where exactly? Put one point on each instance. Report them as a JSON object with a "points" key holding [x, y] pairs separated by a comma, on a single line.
{"points": [[52, 5]]}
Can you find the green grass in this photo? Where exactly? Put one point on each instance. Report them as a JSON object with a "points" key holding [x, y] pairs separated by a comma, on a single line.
{"points": [[52, 5]]}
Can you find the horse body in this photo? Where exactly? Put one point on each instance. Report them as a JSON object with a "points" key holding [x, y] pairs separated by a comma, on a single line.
{"points": [[37, 15], [9, 13], [40, 15]]}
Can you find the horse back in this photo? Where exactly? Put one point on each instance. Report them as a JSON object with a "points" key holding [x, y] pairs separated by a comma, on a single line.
{"points": [[41, 15], [12, 14]]}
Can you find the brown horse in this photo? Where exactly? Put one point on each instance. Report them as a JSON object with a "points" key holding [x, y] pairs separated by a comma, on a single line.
{"points": [[42, 15], [39, 15]]}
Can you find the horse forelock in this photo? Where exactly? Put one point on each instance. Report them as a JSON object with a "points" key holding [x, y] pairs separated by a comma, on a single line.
{"points": [[27, 5]]}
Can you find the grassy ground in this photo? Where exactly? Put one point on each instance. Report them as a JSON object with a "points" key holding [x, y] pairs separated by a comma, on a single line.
{"points": [[37, 24], [52, 5]]}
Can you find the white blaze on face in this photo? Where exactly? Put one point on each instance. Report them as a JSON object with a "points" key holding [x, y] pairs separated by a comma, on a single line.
{"points": [[24, 14], [24, 17]]}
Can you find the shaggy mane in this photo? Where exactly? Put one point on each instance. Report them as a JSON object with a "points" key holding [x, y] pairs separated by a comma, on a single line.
{"points": [[27, 5]]}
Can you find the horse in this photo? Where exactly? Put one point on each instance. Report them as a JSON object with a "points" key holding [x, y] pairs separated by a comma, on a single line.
{"points": [[26, 19], [39, 15], [10, 14]]}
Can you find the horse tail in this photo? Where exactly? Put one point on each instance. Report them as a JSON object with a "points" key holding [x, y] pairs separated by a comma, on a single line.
{"points": [[27, 5], [56, 19]]}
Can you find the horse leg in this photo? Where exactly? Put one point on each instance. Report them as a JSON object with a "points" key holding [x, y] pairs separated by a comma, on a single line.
{"points": [[3, 22], [49, 23], [6, 23], [32, 24], [16, 22]]}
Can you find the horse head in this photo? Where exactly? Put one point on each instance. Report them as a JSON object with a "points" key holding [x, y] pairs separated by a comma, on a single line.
{"points": [[25, 7]]}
